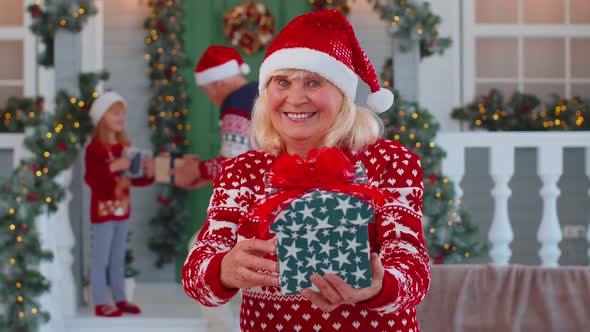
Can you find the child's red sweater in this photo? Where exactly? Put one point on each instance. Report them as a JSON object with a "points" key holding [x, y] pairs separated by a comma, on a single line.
{"points": [[104, 206]]}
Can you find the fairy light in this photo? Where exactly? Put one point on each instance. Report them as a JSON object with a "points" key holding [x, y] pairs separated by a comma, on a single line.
{"points": [[34, 311], [72, 100], [19, 299], [19, 239], [432, 230], [11, 211], [12, 227], [467, 254], [48, 199], [12, 261], [46, 154]]}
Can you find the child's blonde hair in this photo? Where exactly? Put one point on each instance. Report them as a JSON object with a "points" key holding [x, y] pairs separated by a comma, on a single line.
{"points": [[355, 127], [100, 132]]}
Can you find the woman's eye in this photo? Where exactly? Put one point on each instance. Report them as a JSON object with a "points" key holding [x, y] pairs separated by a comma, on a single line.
{"points": [[283, 83], [314, 84]]}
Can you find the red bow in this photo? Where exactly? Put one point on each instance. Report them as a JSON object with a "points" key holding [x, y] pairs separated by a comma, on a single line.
{"points": [[328, 166], [327, 169]]}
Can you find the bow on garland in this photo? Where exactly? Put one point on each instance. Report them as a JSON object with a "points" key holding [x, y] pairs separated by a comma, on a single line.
{"points": [[327, 169]]}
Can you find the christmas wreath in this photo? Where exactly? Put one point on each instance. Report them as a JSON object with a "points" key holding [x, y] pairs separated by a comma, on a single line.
{"points": [[249, 26]]}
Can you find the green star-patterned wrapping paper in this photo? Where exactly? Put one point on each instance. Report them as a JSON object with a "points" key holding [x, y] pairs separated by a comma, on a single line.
{"points": [[324, 232]]}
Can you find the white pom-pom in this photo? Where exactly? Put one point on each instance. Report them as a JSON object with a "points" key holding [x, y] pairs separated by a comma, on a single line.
{"points": [[380, 101], [244, 68]]}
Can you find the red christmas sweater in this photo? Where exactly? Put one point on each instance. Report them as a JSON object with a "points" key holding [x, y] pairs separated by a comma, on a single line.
{"points": [[396, 235], [104, 206]]}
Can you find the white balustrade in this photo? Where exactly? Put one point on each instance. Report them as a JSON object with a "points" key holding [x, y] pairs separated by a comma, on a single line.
{"points": [[500, 235], [549, 168], [502, 146]]}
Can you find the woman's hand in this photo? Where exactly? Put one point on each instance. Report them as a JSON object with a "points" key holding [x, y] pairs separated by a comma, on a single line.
{"points": [[333, 291], [120, 164], [148, 168], [240, 267]]}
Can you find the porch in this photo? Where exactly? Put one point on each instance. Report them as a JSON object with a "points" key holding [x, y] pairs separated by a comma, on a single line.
{"points": [[167, 307]]}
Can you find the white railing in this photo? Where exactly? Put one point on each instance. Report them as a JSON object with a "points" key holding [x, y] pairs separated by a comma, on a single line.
{"points": [[550, 146]]}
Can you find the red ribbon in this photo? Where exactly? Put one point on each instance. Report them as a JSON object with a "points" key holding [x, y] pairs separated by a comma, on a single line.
{"points": [[327, 169]]}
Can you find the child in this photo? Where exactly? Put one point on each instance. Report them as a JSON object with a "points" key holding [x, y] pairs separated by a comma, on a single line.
{"points": [[109, 206]]}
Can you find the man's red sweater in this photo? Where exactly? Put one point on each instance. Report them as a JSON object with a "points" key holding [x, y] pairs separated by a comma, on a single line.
{"points": [[104, 205]]}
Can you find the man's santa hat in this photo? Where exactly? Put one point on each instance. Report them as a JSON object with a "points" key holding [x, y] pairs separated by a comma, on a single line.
{"points": [[218, 63], [104, 103], [324, 42]]}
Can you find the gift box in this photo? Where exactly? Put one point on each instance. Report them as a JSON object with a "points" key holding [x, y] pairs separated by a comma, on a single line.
{"points": [[165, 162], [137, 157], [321, 210]]}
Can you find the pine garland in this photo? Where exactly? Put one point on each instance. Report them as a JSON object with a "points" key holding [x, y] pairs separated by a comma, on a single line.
{"points": [[525, 112], [450, 236], [20, 113], [71, 15], [30, 191], [411, 23], [168, 112]]}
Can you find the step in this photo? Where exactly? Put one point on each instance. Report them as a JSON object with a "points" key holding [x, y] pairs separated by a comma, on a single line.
{"points": [[165, 308]]}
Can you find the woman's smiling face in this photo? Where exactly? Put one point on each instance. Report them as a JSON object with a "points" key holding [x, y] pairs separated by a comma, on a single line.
{"points": [[303, 107]]}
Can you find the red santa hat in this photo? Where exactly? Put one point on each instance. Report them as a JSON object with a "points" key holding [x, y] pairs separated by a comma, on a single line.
{"points": [[102, 104], [324, 42], [218, 63]]}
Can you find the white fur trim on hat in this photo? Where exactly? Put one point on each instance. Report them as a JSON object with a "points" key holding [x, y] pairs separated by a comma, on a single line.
{"points": [[380, 101], [228, 69], [244, 68], [103, 103], [314, 61]]}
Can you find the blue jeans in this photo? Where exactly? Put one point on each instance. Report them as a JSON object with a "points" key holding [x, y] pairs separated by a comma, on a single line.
{"points": [[108, 257]]}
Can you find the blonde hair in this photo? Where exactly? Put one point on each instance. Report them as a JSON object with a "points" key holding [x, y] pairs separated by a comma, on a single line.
{"points": [[355, 127], [100, 132]]}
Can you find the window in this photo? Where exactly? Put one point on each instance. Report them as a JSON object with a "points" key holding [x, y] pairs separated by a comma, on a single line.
{"points": [[17, 49], [535, 46]]}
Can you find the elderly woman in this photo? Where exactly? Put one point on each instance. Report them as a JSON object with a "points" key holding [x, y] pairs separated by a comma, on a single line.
{"points": [[306, 106]]}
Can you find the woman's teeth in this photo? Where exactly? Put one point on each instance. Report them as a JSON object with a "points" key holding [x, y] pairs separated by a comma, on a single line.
{"points": [[300, 115]]}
